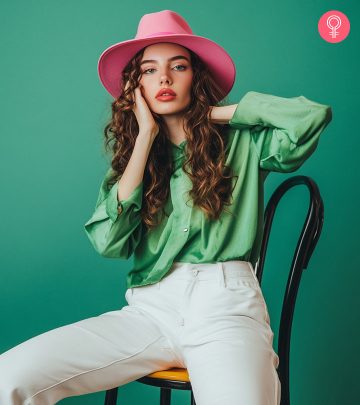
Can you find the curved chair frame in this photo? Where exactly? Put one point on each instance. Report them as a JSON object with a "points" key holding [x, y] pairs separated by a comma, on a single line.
{"points": [[305, 247]]}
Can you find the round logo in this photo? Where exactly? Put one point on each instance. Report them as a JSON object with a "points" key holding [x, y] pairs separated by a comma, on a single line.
{"points": [[334, 26]]}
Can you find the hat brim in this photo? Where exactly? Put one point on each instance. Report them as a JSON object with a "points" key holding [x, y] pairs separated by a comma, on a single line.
{"points": [[113, 59]]}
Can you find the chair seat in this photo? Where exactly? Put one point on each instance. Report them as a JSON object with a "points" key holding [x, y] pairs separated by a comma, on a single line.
{"points": [[175, 374]]}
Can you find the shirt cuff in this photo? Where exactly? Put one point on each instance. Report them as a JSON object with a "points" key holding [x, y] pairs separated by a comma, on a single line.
{"points": [[246, 112], [114, 207]]}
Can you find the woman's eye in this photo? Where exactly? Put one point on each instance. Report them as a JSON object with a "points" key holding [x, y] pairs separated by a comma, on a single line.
{"points": [[146, 70], [181, 66]]}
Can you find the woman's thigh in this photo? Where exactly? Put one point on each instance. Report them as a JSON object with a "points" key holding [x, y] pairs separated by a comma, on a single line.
{"points": [[233, 373], [227, 341], [90, 355]]}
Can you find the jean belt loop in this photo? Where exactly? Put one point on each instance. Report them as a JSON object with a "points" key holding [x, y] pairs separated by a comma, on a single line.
{"points": [[253, 272], [132, 291], [221, 274]]}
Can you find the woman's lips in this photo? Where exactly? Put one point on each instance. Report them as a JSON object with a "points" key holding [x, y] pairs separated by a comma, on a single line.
{"points": [[165, 98]]}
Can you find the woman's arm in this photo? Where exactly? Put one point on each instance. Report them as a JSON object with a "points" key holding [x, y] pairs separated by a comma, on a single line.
{"points": [[223, 114], [134, 172], [115, 227], [285, 131]]}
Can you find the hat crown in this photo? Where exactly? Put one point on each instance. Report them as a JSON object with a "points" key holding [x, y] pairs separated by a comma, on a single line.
{"points": [[162, 23], [164, 26]]}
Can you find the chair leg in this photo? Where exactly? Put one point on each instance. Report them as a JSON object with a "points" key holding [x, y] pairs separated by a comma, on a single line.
{"points": [[165, 396], [192, 398], [111, 396]]}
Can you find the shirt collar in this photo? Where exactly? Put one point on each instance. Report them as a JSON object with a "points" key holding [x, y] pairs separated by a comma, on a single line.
{"points": [[178, 150], [180, 146]]}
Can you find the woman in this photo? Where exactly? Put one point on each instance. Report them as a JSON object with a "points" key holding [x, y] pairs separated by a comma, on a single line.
{"points": [[184, 194]]}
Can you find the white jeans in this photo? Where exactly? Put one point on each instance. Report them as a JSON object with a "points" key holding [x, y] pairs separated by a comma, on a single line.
{"points": [[210, 318]]}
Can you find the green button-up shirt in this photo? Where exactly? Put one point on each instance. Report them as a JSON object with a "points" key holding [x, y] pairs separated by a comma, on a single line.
{"points": [[266, 133]]}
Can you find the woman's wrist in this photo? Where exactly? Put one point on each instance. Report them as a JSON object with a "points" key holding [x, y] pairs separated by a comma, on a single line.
{"points": [[146, 136], [223, 114]]}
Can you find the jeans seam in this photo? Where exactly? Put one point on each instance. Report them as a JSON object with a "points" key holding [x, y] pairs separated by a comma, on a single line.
{"points": [[172, 351], [97, 368], [170, 346]]}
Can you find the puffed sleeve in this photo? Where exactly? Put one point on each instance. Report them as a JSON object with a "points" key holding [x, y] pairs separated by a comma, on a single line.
{"points": [[115, 227], [285, 131]]}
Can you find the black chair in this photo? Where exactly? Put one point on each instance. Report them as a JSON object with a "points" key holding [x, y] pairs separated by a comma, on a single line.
{"points": [[176, 378]]}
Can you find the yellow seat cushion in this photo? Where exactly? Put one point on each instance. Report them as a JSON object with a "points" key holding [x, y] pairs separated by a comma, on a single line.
{"points": [[177, 374]]}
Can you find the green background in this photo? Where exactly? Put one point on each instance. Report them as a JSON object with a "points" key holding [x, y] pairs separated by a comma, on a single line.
{"points": [[54, 109]]}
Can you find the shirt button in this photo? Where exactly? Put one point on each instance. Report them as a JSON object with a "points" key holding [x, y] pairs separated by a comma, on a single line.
{"points": [[186, 229]]}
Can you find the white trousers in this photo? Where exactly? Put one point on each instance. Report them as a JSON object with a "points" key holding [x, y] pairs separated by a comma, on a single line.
{"points": [[209, 318]]}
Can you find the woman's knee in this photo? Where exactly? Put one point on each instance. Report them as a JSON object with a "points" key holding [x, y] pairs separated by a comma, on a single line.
{"points": [[16, 378]]}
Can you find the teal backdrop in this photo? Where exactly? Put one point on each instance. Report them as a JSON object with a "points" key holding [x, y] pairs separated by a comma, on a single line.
{"points": [[54, 109]]}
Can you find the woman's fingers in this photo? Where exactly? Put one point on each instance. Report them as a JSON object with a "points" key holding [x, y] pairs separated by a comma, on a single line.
{"points": [[142, 111]]}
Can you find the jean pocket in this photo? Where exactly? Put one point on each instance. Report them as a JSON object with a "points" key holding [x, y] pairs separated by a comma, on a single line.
{"points": [[145, 287], [144, 290], [243, 289], [236, 283]]}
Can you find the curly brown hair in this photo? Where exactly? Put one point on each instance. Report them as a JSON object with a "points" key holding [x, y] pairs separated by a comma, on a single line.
{"points": [[205, 147]]}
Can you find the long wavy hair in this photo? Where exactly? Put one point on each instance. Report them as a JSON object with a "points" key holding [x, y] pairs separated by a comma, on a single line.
{"points": [[204, 161]]}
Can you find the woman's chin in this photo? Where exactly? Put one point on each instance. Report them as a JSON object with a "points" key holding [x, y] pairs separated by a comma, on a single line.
{"points": [[167, 110]]}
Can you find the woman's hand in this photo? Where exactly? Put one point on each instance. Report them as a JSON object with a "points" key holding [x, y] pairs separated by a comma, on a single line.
{"points": [[144, 117]]}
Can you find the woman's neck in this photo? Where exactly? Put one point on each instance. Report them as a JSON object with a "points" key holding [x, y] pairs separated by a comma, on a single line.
{"points": [[174, 124]]}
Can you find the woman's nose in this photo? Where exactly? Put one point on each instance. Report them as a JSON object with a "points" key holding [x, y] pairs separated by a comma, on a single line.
{"points": [[165, 78]]}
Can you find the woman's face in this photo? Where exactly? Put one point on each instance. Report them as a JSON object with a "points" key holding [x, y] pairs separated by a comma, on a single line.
{"points": [[165, 72]]}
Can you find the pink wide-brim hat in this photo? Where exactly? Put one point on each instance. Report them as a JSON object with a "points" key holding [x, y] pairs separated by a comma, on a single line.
{"points": [[164, 26]]}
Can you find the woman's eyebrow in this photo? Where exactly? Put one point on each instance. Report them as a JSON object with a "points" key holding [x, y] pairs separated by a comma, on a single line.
{"points": [[169, 60]]}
